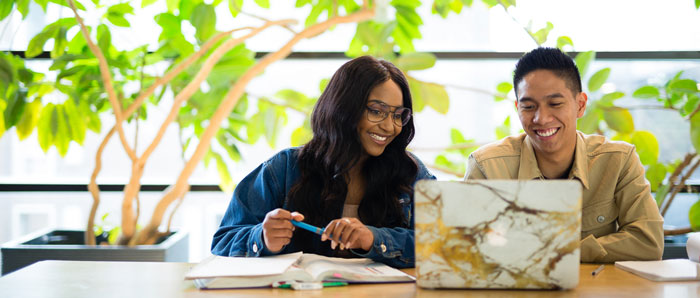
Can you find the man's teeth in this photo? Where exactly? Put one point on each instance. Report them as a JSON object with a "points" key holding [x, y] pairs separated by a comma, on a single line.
{"points": [[377, 137], [546, 133]]}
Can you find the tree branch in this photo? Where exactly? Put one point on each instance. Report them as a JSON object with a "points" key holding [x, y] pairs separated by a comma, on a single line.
{"points": [[680, 185], [146, 235], [107, 80], [672, 181], [95, 190]]}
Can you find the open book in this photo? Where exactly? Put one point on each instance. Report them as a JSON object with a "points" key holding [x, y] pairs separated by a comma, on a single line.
{"points": [[218, 272]]}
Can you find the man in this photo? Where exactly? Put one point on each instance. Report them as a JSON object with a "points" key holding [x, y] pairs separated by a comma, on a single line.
{"points": [[620, 220]]}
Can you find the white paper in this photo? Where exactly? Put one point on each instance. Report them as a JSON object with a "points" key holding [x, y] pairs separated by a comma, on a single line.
{"points": [[218, 266]]}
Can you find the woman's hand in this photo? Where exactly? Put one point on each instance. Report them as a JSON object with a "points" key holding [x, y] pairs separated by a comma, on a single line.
{"points": [[349, 232], [277, 228]]}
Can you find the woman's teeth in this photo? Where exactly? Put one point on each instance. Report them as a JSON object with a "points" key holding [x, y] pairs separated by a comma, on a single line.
{"points": [[377, 137]]}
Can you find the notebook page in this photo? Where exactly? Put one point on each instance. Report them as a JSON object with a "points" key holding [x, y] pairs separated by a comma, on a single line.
{"points": [[218, 266]]}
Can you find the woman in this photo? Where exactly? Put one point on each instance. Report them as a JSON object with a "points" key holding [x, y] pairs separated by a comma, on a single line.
{"points": [[354, 177]]}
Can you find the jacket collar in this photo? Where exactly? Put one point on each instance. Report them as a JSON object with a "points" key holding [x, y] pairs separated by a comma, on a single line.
{"points": [[530, 170]]}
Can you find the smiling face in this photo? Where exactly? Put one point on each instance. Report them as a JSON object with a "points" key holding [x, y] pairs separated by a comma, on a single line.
{"points": [[375, 136], [548, 110]]}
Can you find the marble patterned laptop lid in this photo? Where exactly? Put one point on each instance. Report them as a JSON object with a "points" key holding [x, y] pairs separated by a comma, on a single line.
{"points": [[518, 234]]}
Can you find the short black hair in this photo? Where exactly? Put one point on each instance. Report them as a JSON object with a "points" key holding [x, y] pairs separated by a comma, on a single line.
{"points": [[551, 59]]}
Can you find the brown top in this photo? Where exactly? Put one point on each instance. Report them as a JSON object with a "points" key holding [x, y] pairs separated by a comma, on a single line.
{"points": [[619, 220]]}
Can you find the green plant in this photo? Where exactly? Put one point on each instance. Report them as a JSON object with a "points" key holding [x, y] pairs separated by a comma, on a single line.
{"points": [[93, 77]]}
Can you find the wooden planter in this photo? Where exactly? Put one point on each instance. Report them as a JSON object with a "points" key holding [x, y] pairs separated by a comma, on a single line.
{"points": [[69, 245]]}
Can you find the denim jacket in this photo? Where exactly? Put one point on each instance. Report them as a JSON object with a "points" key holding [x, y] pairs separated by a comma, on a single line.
{"points": [[265, 189]]}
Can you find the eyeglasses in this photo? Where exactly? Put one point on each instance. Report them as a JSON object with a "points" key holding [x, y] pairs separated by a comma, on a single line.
{"points": [[378, 111]]}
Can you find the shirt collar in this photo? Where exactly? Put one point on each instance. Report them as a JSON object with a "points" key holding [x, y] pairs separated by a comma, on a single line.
{"points": [[528, 162]]}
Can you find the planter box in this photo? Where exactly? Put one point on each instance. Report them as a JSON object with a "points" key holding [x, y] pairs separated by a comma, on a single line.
{"points": [[69, 245]]}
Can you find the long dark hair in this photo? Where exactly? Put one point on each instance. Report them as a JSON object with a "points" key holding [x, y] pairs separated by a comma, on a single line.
{"points": [[335, 148]]}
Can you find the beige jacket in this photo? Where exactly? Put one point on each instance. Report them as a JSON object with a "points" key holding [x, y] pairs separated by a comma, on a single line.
{"points": [[620, 219]]}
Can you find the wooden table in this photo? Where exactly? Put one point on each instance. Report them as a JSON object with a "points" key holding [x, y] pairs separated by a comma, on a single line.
{"points": [[141, 279]]}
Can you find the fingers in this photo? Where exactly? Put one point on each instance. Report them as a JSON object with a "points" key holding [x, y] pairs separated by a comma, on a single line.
{"points": [[347, 233], [297, 216], [277, 229]]}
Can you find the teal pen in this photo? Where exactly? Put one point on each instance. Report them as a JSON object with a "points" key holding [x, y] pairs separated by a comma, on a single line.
{"points": [[308, 227]]}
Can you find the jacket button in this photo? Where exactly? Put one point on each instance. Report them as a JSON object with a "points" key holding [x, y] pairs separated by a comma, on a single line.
{"points": [[383, 247], [600, 218], [255, 247]]}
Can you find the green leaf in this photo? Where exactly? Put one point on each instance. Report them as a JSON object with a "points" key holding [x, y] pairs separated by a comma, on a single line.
{"points": [[255, 128], [690, 105], [145, 3], [661, 193], [263, 3], [416, 94], [29, 119], [118, 20], [563, 41], [78, 5], [697, 4], [170, 24], [589, 122], [647, 92], [76, 121], [503, 130], [431, 94], [504, 87], [608, 99], [226, 183], [63, 136], [647, 146], [415, 61], [619, 119], [203, 18], [60, 43], [229, 144], [172, 5], [598, 79], [456, 136], [2, 117], [695, 131], [541, 35], [23, 7], [121, 9], [301, 136], [235, 7], [583, 61], [656, 173], [7, 72], [490, 3], [15, 107], [104, 39], [684, 86], [694, 216], [6, 8], [47, 126]]}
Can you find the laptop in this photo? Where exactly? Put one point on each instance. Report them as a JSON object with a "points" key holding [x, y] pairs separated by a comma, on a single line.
{"points": [[503, 234]]}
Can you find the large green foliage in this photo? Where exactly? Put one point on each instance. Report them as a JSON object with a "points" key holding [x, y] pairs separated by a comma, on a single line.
{"points": [[75, 79]]}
